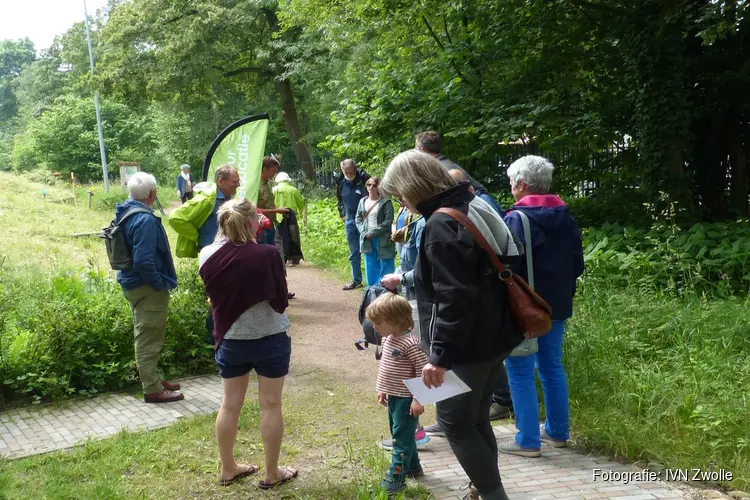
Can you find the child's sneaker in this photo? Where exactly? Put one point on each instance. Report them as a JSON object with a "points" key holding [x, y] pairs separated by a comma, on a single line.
{"points": [[421, 437], [392, 486]]}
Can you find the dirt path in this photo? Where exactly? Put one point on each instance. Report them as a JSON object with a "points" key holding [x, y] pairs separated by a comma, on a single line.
{"points": [[325, 326]]}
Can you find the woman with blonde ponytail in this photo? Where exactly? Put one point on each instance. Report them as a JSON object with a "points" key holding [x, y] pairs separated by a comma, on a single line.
{"points": [[247, 288]]}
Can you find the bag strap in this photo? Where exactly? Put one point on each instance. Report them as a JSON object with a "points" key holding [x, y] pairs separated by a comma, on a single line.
{"points": [[132, 211], [527, 247], [465, 222], [371, 208]]}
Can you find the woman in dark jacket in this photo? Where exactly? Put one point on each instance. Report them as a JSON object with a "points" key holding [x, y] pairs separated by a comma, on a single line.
{"points": [[465, 320], [557, 263]]}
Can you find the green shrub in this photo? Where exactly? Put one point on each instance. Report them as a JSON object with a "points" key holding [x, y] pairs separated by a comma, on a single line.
{"points": [[73, 333], [711, 258]]}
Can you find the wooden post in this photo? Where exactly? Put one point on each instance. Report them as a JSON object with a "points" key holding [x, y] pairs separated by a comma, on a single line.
{"points": [[73, 181], [91, 194]]}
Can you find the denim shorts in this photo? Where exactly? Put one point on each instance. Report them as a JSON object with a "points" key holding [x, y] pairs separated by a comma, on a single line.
{"points": [[268, 356]]}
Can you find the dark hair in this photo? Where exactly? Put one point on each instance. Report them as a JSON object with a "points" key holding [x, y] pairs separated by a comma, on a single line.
{"points": [[374, 180], [270, 162], [430, 141]]}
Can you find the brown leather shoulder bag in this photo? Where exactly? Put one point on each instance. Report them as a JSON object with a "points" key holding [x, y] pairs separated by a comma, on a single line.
{"points": [[531, 313]]}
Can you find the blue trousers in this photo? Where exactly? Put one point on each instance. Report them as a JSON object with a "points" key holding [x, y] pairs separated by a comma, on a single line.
{"points": [[269, 236], [375, 267], [355, 257], [521, 376]]}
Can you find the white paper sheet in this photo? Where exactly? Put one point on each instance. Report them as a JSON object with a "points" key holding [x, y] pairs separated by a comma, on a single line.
{"points": [[452, 386]]}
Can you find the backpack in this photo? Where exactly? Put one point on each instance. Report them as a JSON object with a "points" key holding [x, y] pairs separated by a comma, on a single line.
{"points": [[118, 253], [371, 336]]}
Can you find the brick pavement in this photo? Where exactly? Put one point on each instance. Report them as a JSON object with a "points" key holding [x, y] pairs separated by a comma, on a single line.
{"points": [[39, 429], [558, 474]]}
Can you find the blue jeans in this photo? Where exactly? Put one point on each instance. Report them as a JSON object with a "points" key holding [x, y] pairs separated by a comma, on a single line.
{"points": [[376, 268], [269, 236], [554, 386], [355, 257]]}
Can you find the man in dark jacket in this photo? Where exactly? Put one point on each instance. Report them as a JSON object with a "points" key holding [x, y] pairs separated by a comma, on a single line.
{"points": [[350, 189], [429, 142], [147, 284]]}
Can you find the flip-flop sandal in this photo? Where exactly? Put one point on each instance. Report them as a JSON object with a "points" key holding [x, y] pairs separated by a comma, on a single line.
{"points": [[248, 472], [287, 475]]}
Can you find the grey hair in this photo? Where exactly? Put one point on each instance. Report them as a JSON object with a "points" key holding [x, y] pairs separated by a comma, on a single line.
{"points": [[459, 175], [415, 177], [184, 166], [348, 163], [534, 171], [223, 172], [140, 186]]}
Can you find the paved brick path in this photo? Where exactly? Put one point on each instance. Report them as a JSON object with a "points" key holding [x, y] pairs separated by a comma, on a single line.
{"points": [[559, 473], [563, 474], [33, 430]]}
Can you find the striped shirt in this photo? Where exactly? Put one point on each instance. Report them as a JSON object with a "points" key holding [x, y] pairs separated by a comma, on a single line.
{"points": [[402, 359]]}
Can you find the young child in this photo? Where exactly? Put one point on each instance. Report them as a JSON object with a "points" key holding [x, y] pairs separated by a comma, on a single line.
{"points": [[402, 359]]}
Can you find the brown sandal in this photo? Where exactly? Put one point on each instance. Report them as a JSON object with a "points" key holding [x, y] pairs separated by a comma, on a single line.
{"points": [[287, 474], [251, 469]]}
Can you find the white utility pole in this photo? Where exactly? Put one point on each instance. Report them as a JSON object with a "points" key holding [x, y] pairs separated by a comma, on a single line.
{"points": [[96, 105]]}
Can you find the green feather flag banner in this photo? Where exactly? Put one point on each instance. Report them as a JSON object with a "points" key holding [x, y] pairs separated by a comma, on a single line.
{"points": [[242, 145]]}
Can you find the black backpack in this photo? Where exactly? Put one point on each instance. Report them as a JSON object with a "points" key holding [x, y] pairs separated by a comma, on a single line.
{"points": [[371, 336], [118, 253]]}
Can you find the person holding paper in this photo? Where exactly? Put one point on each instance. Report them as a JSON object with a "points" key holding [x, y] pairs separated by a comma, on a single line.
{"points": [[465, 320], [402, 359]]}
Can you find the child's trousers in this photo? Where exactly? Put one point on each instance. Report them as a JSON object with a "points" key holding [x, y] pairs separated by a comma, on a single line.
{"points": [[403, 426]]}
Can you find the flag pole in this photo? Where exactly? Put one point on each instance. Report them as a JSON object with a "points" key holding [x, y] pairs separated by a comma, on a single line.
{"points": [[96, 106]]}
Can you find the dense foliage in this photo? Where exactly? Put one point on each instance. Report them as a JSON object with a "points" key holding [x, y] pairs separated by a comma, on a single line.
{"points": [[73, 334], [634, 98]]}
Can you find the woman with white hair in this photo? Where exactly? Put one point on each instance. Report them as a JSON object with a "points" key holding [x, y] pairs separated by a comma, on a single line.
{"points": [[465, 320], [185, 184], [557, 263]]}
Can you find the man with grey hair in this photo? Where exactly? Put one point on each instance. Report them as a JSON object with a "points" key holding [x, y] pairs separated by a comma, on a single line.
{"points": [[195, 222], [350, 189], [147, 283]]}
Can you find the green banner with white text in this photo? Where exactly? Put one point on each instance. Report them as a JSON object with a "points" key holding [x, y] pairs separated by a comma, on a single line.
{"points": [[242, 145]]}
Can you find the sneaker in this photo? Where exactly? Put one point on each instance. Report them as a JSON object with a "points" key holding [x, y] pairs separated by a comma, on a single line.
{"points": [[499, 412], [387, 444], [352, 285], [473, 493], [555, 443], [513, 448], [421, 437], [392, 487], [434, 430]]}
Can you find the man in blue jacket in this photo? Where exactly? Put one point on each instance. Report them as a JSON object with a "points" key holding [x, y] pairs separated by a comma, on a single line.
{"points": [[350, 189], [147, 284]]}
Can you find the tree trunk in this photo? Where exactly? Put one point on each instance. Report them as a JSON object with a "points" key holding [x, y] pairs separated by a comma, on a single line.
{"points": [[293, 129], [739, 186]]}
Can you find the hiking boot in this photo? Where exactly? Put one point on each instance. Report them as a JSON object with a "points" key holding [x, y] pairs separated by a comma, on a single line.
{"points": [[434, 430], [415, 472], [513, 448], [172, 386], [392, 486], [352, 285], [499, 412], [555, 443]]}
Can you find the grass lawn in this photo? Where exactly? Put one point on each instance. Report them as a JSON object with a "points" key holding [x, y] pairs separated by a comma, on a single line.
{"points": [[330, 436]]}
